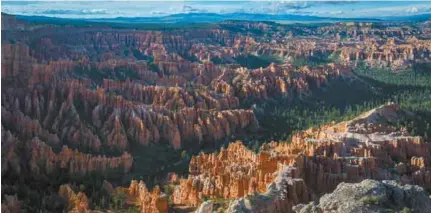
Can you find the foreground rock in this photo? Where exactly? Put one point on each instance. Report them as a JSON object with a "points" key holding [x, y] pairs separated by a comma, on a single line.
{"points": [[315, 162], [371, 196], [280, 196]]}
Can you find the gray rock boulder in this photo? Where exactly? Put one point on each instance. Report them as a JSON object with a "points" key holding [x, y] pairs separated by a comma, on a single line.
{"points": [[205, 207], [371, 196]]}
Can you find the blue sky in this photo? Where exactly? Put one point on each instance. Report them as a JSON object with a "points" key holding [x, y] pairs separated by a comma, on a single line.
{"points": [[144, 8]]}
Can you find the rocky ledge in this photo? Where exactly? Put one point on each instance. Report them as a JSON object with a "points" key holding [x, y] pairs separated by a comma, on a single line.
{"points": [[371, 196]]}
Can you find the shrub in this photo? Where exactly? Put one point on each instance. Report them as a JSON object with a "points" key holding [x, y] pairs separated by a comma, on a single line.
{"points": [[406, 210], [371, 200]]}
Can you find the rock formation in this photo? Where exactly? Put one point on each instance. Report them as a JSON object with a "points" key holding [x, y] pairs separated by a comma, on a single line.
{"points": [[44, 161], [136, 195], [371, 196], [314, 163], [11, 204], [149, 202], [81, 99], [75, 202], [280, 195]]}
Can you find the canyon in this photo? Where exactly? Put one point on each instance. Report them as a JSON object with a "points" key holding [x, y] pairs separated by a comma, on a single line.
{"points": [[98, 118]]}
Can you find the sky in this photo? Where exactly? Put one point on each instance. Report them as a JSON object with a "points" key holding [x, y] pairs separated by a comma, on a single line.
{"points": [[144, 8]]}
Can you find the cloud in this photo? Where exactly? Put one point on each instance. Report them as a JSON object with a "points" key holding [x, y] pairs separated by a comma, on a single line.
{"points": [[338, 12], [18, 2], [158, 13], [75, 12], [91, 9], [190, 9], [412, 10]]}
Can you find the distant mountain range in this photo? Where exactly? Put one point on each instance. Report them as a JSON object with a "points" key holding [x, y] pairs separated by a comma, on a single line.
{"points": [[214, 18]]}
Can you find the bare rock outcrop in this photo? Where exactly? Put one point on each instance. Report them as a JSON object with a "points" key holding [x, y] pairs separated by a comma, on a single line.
{"points": [[371, 196], [149, 202], [44, 161], [317, 159], [281, 195], [76, 202]]}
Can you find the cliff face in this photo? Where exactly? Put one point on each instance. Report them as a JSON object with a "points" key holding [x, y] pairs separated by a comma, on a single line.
{"points": [[314, 163]]}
